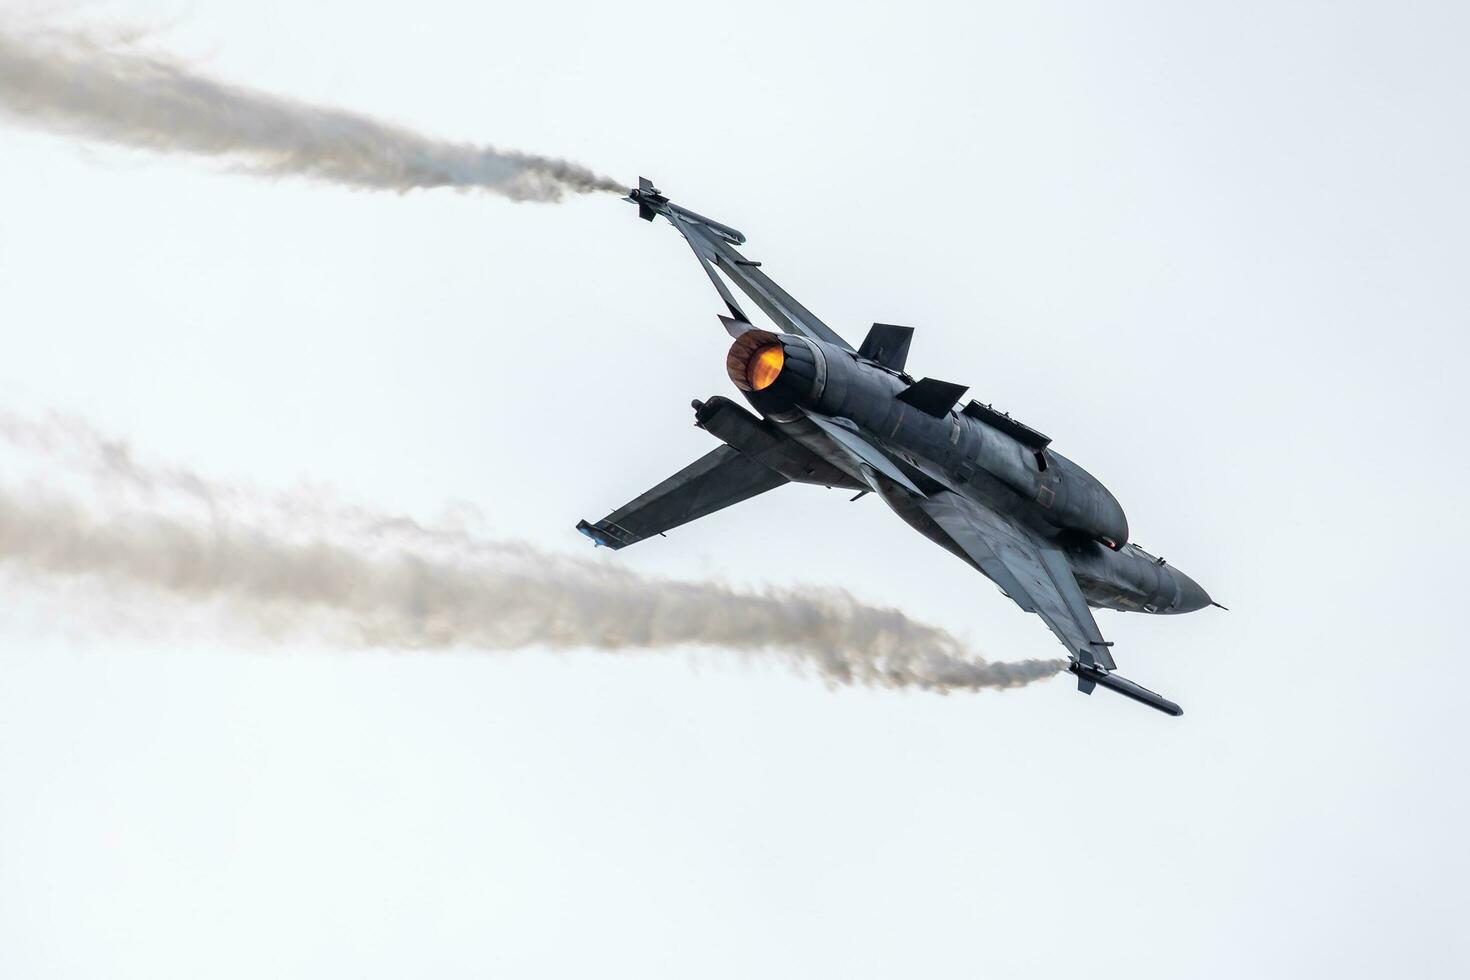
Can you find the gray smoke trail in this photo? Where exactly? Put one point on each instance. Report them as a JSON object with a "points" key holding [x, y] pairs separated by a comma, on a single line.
{"points": [[364, 579], [72, 84]]}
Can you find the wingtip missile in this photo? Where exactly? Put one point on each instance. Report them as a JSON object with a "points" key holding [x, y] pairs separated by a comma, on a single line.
{"points": [[653, 202], [1090, 674], [648, 198]]}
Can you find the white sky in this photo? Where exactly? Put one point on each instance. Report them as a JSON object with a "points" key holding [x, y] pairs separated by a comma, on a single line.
{"points": [[1219, 256]]}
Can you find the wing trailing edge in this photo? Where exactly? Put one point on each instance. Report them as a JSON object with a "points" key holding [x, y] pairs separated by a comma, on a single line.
{"points": [[713, 482]]}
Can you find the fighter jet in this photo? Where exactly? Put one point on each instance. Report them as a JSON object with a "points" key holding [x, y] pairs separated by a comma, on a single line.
{"points": [[978, 482]]}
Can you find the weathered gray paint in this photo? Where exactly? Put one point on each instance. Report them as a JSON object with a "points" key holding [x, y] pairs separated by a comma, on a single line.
{"points": [[984, 486]]}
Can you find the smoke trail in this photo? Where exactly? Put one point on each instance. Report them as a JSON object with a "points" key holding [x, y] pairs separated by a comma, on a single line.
{"points": [[73, 84], [364, 579]]}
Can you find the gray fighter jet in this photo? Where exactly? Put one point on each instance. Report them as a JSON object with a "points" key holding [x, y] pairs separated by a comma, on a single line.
{"points": [[982, 484]]}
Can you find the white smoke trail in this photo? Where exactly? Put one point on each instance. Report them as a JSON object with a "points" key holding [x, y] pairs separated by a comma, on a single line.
{"points": [[275, 568], [74, 84]]}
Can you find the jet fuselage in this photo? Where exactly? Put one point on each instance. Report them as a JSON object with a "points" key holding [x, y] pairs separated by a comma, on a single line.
{"points": [[985, 486], [969, 452]]}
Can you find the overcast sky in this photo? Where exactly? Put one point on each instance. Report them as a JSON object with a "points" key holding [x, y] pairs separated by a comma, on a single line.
{"points": [[1220, 256]]}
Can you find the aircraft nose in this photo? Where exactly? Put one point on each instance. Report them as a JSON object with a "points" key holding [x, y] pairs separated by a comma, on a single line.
{"points": [[1191, 595]]}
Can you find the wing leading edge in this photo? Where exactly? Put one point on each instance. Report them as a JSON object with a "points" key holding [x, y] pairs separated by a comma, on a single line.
{"points": [[713, 244], [1038, 578]]}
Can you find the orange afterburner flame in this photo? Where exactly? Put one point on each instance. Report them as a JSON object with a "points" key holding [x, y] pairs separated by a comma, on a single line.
{"points": [[765, 366]]}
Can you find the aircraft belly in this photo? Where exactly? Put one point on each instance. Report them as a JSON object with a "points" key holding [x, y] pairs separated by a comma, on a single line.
{"points": [[908, 509], [807, 434]]}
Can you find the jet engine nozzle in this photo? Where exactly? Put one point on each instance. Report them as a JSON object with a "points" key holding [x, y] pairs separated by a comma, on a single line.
{"points": [[776, 371]]}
